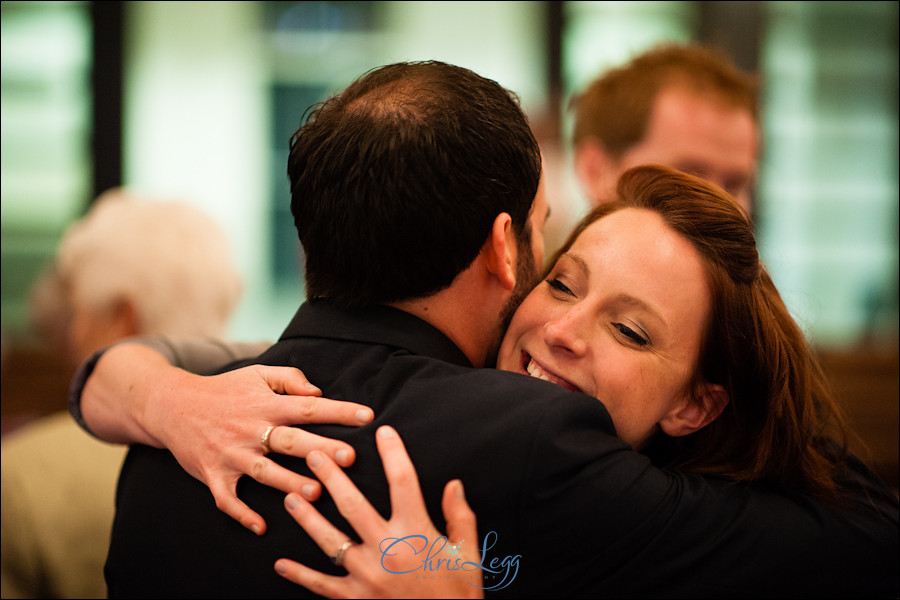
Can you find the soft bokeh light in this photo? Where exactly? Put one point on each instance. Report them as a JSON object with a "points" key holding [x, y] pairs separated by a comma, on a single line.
{"points": [[214, 89]]}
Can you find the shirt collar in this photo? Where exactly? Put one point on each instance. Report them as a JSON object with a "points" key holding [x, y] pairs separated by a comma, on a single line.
{"points": [[383, 325]]}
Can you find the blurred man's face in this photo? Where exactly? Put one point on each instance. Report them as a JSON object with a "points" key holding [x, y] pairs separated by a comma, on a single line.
{"points": [[698, 136]]}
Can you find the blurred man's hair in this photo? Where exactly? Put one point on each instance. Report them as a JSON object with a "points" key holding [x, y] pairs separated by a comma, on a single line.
{"points": [[616, 107]]}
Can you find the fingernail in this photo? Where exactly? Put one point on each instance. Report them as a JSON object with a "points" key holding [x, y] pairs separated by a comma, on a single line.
{"points": [[314, 459], [312, 388], [280, 567], [460, 493], [255, 528], [308, 490], [385, 431], [342, 456], [292, 501], [365, 415]]}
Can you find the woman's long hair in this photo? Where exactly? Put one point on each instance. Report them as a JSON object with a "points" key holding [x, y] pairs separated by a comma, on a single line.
{"points": [[780, 403]]}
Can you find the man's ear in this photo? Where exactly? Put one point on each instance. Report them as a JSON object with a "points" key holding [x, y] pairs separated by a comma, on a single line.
{"points": [[123, 318], [500, 251], [594, 168], [695, 413]]}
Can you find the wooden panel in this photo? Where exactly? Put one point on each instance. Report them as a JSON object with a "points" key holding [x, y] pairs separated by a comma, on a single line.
{"points": [[867, 382]]}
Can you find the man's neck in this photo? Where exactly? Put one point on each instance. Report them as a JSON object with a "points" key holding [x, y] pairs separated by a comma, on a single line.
{"points": [[446, 317], [468, 312]]}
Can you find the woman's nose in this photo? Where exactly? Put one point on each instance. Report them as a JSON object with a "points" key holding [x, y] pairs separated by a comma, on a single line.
{"points": [[567, 333]]}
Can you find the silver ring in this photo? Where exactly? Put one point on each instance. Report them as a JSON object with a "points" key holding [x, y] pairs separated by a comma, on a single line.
{"points": [[265, 439], [338, 559]]}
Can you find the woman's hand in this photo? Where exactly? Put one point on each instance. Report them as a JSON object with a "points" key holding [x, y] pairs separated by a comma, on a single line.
{"points": [[383, 566], [214, 425], [217, 437]]}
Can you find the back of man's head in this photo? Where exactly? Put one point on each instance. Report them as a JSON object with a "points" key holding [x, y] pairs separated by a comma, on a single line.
{"points": [[616, 107], [397, 180]]}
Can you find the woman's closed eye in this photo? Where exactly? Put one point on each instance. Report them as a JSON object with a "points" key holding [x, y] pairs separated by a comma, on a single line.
{"points": [[632, 335], [557, 285]]}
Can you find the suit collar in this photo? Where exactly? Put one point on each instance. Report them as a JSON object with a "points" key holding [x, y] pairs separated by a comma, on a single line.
{"points": [[383, 325]]}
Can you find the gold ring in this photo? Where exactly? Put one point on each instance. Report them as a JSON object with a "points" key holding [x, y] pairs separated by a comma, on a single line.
{"points": [[265, 439], [338, 559]]}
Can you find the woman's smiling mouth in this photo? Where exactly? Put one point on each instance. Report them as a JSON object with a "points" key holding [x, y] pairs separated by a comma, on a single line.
{"points": [[538, 371]]}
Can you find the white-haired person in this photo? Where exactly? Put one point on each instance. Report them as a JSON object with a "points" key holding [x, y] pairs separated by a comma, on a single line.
{"points": [[131, 266]]}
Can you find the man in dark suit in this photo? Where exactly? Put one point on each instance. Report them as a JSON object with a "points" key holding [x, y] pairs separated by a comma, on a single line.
{"points": [[415, 191]]}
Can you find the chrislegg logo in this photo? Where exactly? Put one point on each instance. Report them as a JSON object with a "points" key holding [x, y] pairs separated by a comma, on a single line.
{"points": [[439, 558]]}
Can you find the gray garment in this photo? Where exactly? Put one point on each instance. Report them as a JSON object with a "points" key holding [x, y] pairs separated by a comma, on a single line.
{"points": [[199, 355]]}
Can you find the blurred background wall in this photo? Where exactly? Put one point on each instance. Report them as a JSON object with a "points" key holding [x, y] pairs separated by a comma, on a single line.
{"points": [[199, 99]]}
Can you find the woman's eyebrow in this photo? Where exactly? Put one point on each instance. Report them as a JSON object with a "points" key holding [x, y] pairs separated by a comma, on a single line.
{"points": [[579, 262], [623, 298], [643, 306]]}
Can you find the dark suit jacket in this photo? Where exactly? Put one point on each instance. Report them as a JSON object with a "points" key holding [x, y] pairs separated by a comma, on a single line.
{"points": [[569, 509]]}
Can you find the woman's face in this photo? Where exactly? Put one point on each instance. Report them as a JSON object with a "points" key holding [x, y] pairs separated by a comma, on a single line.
{"points": [[620, 317]]}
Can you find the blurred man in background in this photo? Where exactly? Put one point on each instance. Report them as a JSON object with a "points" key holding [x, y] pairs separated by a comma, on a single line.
{"points": [[682, 106], [128, 268]]}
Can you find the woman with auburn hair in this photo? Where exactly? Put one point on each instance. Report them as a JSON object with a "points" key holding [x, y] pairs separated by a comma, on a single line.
{"points": [[659, 306], [752, 406], [780, 403]]}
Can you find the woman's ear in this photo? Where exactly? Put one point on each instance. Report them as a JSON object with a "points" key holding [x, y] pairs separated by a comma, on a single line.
{"points": [[696, 411]]}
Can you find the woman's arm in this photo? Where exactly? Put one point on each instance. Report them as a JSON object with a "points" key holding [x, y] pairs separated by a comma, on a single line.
{"points": [[200, 355], [215, 425], [387, 562]]}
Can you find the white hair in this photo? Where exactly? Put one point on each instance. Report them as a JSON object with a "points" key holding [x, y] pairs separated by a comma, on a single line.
{"points": [[168, 258]]}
